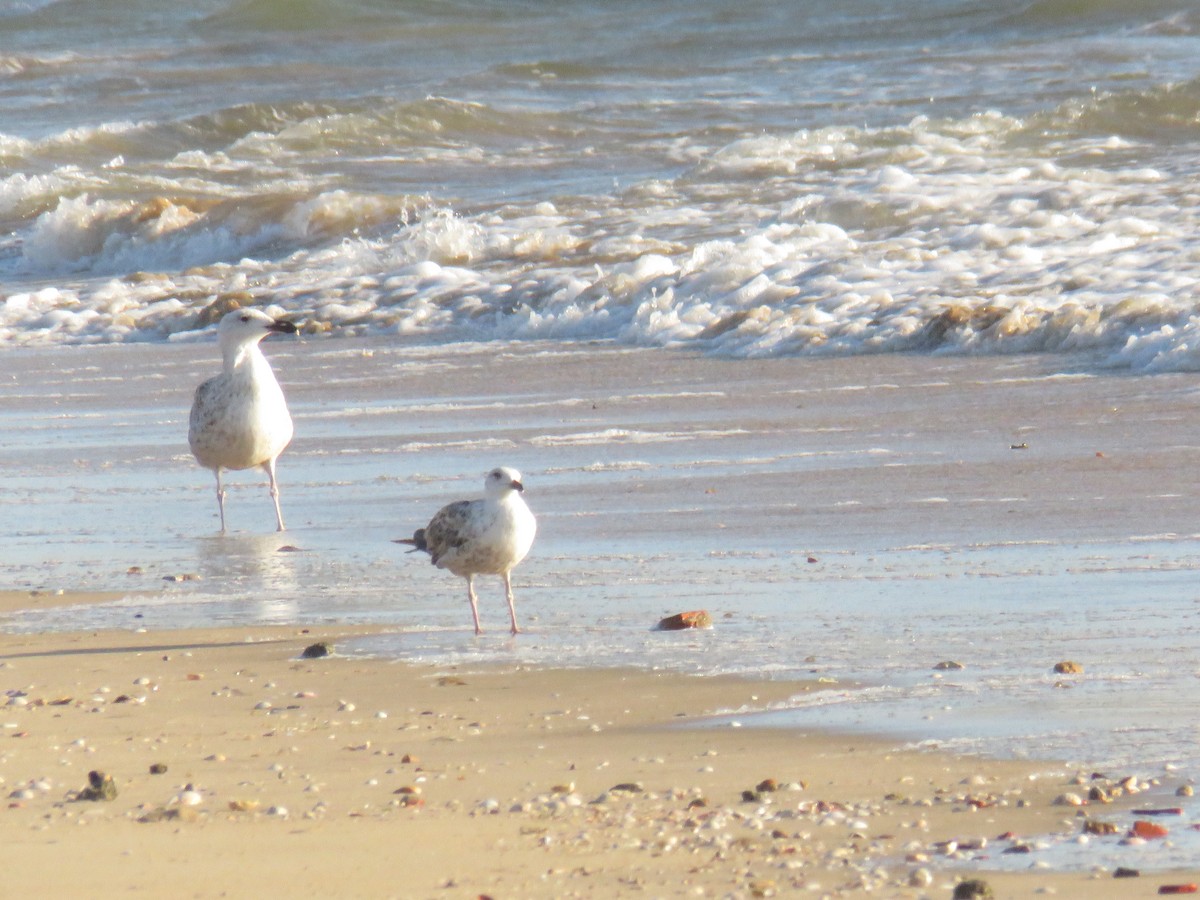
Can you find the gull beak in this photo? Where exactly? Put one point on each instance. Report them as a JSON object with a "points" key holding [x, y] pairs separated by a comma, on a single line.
{"points": [[517, 486], [282, 326]]}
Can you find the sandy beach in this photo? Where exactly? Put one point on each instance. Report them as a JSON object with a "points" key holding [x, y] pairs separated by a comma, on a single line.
{"points": [[848, 523], [867, 329], [243, 770]]}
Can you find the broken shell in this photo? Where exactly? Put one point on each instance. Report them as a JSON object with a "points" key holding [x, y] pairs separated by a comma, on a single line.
{"points": [[920, 878], [1069, 799]]}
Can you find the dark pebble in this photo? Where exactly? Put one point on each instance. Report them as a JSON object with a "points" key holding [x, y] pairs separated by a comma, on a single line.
{"points": [[100, 787], [315, 651], [974, 889]]}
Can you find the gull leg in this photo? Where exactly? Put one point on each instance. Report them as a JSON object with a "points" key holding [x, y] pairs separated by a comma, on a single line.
{"points": [[220, 498], [269, 465], [512, 606], [474, 604]]}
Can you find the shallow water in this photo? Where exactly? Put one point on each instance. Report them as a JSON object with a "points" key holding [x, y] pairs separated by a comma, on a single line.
{"points": [[827, 530]]}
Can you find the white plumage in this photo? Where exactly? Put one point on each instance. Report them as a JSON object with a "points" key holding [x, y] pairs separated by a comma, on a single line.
{"points": [[488, 536], [239, 418]]}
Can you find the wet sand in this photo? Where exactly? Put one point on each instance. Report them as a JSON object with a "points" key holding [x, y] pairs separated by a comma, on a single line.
{"points": [[993, 510], [367, 778]]}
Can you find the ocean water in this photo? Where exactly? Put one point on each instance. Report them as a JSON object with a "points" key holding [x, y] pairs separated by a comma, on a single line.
{"points": [[668, 233], [913, 176]]}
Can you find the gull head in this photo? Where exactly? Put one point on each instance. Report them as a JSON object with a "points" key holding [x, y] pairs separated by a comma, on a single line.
{"points": [[501, 480], [249, 326]]}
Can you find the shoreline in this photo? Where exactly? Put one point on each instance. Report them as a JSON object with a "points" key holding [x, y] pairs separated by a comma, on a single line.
{"points": [[307, 775]]}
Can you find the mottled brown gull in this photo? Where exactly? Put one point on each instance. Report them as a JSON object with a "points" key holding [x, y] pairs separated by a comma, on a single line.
{"points": [[239, 418], [488, 536]]}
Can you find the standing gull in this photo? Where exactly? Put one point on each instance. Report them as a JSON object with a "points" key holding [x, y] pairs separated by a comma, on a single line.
{"points": [[488, 536], [239, 418]]}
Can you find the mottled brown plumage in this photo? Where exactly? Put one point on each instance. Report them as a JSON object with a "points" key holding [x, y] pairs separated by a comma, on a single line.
{"points": [[488, 536]]}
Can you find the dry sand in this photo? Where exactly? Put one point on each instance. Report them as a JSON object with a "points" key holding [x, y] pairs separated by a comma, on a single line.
{"points": [[354, 777]]}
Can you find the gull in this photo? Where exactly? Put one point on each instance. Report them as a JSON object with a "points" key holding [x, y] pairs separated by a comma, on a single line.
{"points": [[488, 536], [239, 418]]}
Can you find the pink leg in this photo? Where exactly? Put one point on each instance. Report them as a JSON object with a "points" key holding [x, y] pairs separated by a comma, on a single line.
{"points": [[220, 498], [512, 606], [269, 466], [474, 603]]}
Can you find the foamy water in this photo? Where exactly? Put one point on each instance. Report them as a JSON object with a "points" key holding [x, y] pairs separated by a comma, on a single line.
{"points": [[913, 176]]}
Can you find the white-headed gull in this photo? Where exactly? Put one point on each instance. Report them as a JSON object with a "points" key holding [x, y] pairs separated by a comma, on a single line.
{"points": [[239, 418], [488, 536]]}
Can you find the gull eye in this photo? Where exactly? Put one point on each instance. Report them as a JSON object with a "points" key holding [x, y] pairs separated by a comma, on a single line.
{"points": [[245, 318]]}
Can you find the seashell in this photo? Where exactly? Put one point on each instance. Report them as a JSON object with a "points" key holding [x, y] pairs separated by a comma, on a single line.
{"points": [[188, 798], [921, 877], [1069, 799]]}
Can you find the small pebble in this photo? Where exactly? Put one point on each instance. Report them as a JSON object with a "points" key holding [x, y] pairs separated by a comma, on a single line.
{"points": [[974, 889]]}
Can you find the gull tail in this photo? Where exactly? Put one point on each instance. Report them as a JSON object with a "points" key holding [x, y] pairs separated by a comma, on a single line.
{"points": [[417, 541]]}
